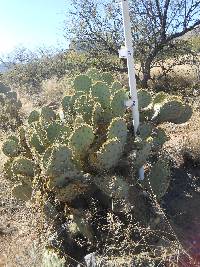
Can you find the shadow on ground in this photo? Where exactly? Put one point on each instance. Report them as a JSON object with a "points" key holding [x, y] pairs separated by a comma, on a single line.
{"points": [[182, 204]]}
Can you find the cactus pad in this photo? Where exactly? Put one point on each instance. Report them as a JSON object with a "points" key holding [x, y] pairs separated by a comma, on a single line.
{"points": [[145, 130], [23, 167], [60, 160], [97, 114], [144, 98], [159, 98], [107, 78], [100, 91], [67, 103], [118, 103], [108, 155], [116, 86], [94, 74], [170, 111], [47, 114], [114, 186], [54, 131], [160, 137], [143, 153], [82, 83], [159, 178], [81, 139], [185, 115], [36, 143], [11, 148], [34, 116], [118, 129]]}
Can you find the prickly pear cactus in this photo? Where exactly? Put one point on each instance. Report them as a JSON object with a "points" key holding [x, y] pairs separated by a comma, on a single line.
{"points": [[10, 107], [70, 155]]}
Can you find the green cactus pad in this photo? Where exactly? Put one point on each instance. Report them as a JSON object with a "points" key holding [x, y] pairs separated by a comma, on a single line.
{"points": [[115, 186], [159, 178], [78, 121], [159, 98], [84, 106], [67, 104], [100, 91], [107, 78], [81, 139], [22, 191], [145, 130], [116, 86], [94, 74], [118, 129], [108, 156], [23, 139], [146, 114], [34, 116], [36, 143], [11, 148], [52, 259], [143, 153], [170, 111], [118, 103], [82, 83], [47, 114], [185, 115], [54, 131], [160, 137], [144, 98], [59, 159], [97, 114], [23, 167]]}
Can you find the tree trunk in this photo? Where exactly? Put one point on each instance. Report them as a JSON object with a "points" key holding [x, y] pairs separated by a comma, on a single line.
{"points": [[146, 72]]}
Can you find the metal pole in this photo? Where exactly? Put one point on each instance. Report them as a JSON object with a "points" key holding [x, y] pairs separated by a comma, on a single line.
{"points": [[127, 52]]}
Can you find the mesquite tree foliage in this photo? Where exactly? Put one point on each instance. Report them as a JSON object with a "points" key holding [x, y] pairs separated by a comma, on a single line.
{"points": [[96, 26]]}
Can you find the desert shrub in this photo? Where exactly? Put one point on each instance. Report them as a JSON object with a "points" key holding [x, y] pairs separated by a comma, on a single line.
{"points": [[195, 43], [9, 109], [81, 163], [28, 74]]}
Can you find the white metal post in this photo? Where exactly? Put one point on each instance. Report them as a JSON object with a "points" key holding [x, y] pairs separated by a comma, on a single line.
{"points": [[127, 52]]}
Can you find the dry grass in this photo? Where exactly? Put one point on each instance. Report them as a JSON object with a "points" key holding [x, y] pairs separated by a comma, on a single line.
{"points": [[191, 145]]}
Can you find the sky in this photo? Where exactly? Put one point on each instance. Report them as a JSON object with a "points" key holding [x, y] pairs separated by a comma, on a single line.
{"points": [[32, 24]]}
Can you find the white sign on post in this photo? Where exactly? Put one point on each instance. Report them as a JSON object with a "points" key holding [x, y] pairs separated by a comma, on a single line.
{"points": [[127, 52]]}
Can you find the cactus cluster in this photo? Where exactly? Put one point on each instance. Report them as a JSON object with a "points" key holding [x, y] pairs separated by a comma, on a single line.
{"points": [[91, 135], [69, 153], [9, 106]]}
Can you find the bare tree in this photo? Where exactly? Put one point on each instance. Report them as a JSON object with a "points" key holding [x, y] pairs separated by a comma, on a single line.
{"points": [[96, 26]]}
